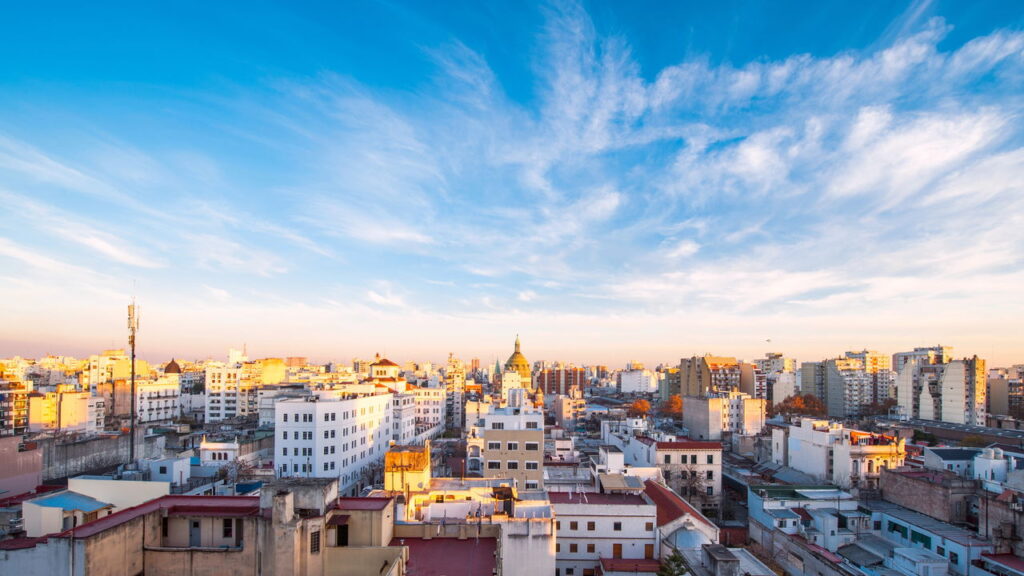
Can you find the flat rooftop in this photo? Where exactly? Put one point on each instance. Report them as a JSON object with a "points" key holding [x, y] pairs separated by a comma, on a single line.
{"points": [[447, 556], [927, 523], [596, 499]]}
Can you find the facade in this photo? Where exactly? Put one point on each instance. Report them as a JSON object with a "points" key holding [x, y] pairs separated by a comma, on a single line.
{"points": [[561, 379], [343, 438], [828, 452], [65, 412], [849, 384], [569, 409], [593, 526], [954, 391], [707, 418], [455, 389], [507, 441], [229, 394], [638, 381], [710, 375], [158, 401], [13, 409], [692, 469]]}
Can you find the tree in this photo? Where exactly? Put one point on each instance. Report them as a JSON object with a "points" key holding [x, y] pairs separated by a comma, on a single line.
{"points": [[673, 406], [674, 565], [878, 408], [639, 407], [803, 405]]}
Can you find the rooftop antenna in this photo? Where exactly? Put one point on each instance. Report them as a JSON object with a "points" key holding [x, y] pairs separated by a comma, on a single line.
{"points": [[133, 327]]}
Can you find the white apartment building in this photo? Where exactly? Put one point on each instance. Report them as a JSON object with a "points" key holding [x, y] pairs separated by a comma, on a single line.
{"points": [[954, 391], [831, 453], [229, 393], [431, 411], [158, 400], [345, 438], [734, 412], [691, 468], [591, 526], [779, 377], [638, 381]]}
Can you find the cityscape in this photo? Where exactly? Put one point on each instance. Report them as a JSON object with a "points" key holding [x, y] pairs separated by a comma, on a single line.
{"points": [[512, 289]]}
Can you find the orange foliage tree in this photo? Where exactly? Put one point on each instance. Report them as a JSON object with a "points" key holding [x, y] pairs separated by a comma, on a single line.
{"points": [[803, 405], [639, 407], [673, 406]]}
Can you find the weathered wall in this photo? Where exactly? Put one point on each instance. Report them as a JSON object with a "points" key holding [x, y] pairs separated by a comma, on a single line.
{"points": [[945, 497], [194, 562], [21, 471], [63, 458]]}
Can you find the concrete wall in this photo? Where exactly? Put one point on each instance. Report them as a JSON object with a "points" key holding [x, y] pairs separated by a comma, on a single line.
{"points": [[947, 500], [348, 561], [62, 458], [21, 471], [195, 562]]}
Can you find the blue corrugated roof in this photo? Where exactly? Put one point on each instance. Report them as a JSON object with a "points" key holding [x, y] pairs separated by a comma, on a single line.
{"points": [[71, 501]]}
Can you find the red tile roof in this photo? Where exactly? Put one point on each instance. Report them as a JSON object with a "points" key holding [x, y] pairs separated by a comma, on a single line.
{"points": [[1008, 560], [637, 566], [226, 506], [595, 498], [447, 556], [689, 445], [670, 505], [803, 514]]}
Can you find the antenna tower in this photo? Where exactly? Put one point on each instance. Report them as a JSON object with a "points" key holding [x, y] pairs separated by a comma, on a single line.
{"points": [[133, 327]]}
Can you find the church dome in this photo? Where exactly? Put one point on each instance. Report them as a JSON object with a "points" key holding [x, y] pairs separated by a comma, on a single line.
{"points": [[172, 367], [518, 363]]}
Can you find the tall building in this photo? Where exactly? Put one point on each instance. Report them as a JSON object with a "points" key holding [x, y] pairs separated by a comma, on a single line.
{"points": [[560, 379], [951, 391], [343, 436], [735, 412], [637, 380], [779, 375], [846, 385], [13, 409], [925, 355], [507, 441], [455, 388], [711, 375]]}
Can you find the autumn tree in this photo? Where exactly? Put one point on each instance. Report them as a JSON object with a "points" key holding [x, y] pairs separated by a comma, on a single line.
{"points": [[878, 408], [801, 405], [639, 407], [673, 406]]}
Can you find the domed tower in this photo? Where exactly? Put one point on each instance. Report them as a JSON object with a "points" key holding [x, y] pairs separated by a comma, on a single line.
{"points": [[519, 364], [172, 367]]}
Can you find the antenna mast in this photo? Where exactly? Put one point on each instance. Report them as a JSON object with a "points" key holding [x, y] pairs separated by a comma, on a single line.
{"points": [[133, 327]]}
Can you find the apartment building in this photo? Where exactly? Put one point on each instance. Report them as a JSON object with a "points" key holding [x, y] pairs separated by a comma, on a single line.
{"points": [[455, 393], [849, 384], [344, 436], [561, 379], [65, 412], [691, 468], [229, 393], [431, 405], [707, 418], [829, 452], [710, 375], [507, 441], [158, 400], [591, 526], [13, 409], [952, 391]]}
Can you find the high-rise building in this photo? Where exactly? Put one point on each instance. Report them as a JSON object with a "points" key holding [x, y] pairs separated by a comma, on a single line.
{"points": [[560, 379], [925, 355], [711, 375], [951, 391], [455, 388], [845, 385]]}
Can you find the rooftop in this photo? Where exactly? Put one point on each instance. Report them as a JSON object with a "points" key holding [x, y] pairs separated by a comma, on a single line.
{"points": [[636, 566], [446, 556], [927, 523], [596, 498], [671, 505], [363, 503], [69, 500], [956, 453]]}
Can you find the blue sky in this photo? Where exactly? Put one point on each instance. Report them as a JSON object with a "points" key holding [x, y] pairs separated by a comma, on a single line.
{"points": [[611, 180]]}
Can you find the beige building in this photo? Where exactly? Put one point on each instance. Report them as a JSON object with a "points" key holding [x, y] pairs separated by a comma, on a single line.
{"points": [[706, 375]]}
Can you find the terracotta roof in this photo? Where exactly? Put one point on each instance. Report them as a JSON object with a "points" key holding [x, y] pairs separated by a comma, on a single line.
{"points": [[384, 362], [445, 556], [1008, 560], [803, 514], [689, 445], [634, 565], [227, 506], [671, 506]]}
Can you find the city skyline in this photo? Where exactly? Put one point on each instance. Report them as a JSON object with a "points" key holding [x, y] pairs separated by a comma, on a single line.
{"points": [[609, 182]]}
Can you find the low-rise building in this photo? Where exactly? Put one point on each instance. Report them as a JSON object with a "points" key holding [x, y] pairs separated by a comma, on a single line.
{"points": [[592, 526]]}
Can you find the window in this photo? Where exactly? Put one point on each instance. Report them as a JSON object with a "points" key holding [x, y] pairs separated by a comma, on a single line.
{"points": [[284, 451], [327, 417], [286, 419], [314, 542], [649, 526], [163, 527], [938, 550], [512, 465], [617, 526], [494, 465], [711, 458], [558, 548], [163, 469], [497, 425], [668, 458], [531, 466], [532, 485], [591, 548], [711, 490], [574, 525], [513, 445], [494, 445], [531, 425], [227, 528], [711, 474], [591, 526], [558, 524], [693, 458], [532, 446], [954, 558], [573, 548]]}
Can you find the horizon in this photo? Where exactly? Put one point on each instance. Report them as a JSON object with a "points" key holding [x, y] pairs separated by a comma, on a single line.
{"points": [[612, 182]]}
